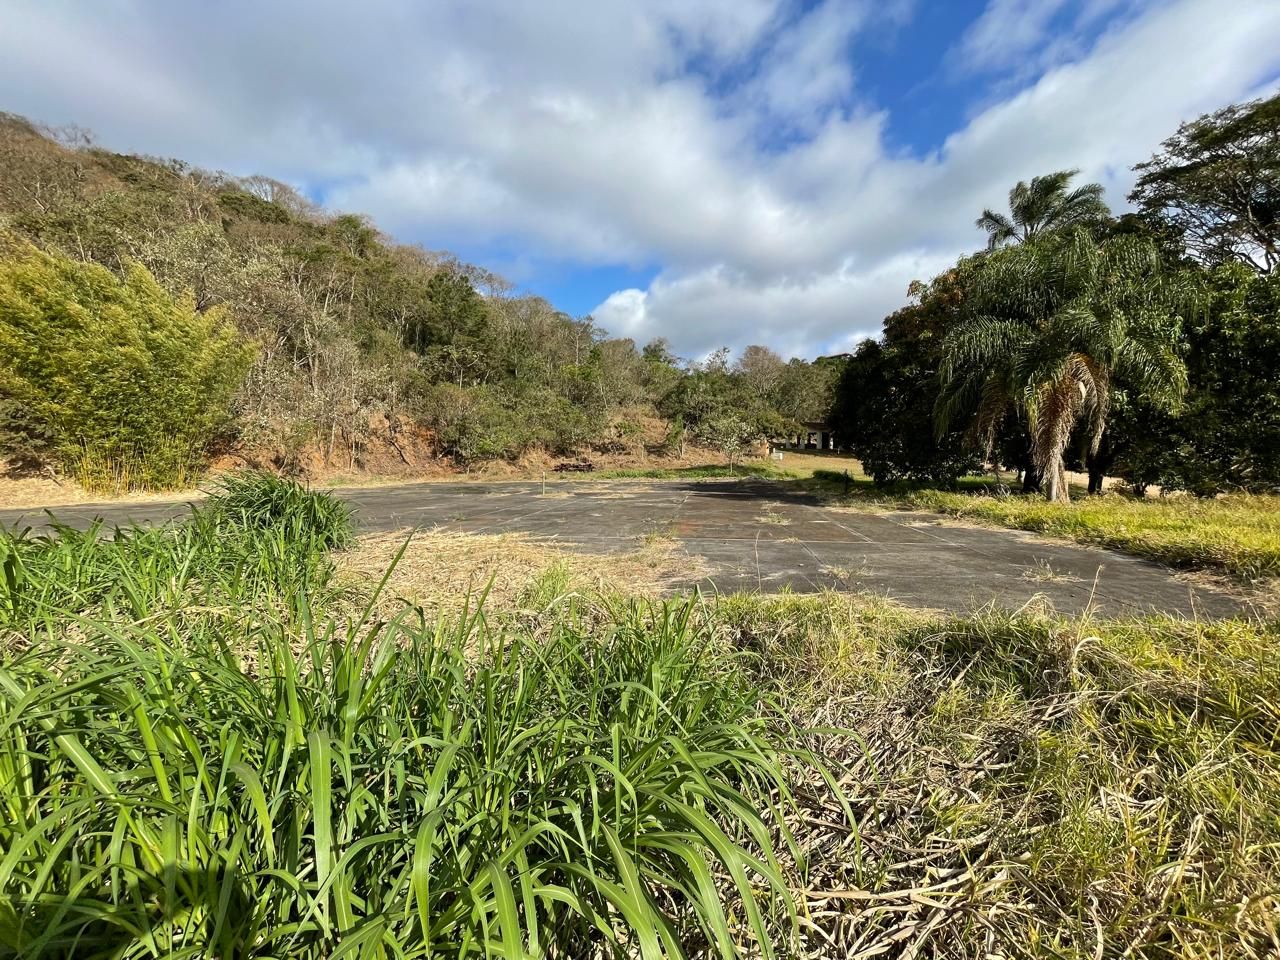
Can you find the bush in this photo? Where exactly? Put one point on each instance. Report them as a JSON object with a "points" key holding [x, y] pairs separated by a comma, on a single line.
{"points": [[120, 384], [494, 423], [262, 501], [470, 423]]}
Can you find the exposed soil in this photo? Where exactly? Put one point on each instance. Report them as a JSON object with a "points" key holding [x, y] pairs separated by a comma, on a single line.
{"points": [[399, 453]]}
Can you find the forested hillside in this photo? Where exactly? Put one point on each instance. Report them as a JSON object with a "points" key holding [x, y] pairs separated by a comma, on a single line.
{"points": [[154, 316]]}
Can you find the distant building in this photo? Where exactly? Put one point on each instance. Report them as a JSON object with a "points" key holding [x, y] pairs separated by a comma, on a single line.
{"points": [[817, 435]]}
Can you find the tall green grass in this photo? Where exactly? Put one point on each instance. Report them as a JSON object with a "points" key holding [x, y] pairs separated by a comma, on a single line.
{"points": [[257, 501], [258, 538], [398, 791], [204, 751]]}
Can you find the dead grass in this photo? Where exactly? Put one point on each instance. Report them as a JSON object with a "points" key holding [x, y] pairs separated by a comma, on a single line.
{"points": [[1043, 572], [21, 492], [442, 571], [771, 515], [1025, 785]]}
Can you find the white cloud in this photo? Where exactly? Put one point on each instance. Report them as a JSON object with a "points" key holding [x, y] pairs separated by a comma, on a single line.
{"points": [[1007, 31], [728, 141], [825, 312]]}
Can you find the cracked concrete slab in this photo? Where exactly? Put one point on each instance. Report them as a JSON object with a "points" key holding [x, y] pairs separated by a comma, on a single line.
{"points": [[760, 536]]}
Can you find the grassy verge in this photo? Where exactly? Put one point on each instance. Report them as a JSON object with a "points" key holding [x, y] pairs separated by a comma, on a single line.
{"points": [[1236, 535], [213, 744], [1031, 786], [1239, 535]]}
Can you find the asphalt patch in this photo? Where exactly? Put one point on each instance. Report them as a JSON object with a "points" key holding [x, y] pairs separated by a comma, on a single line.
{"points": [[759, 536]]}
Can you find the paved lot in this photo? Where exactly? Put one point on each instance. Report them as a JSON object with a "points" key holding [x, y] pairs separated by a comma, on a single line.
{"points": [[759, 536]]}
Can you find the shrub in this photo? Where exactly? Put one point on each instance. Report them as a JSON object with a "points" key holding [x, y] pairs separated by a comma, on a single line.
{"points": [[883, 414], [470, 423], [124, 386], [260, 501]]}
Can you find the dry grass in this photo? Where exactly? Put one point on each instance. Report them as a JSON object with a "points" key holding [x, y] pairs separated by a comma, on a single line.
{"points": [[22, 492], [1025, 785], [771, 515], [1043, 572], [442, 571]]}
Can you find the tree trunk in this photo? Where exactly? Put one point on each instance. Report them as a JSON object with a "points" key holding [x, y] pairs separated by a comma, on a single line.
{"points": [[1099, 462], [1096, 476], [1055, 480]]}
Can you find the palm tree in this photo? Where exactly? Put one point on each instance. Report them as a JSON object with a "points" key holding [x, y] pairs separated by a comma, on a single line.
{"points": [[1044, 204], [1049, 327]]}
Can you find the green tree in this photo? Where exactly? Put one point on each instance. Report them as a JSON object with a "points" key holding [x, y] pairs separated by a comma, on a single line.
{"points": [[884, 401], [1227, 434], [1216, 184], [1049, 327], [1043, 205], [123, 385], [729, 433]]}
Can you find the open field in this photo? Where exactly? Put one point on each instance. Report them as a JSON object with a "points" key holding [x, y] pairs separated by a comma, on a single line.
{"points": [[228, 733]]}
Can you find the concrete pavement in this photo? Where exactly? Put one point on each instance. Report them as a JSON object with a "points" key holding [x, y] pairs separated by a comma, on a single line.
{"points": [[762, 536]]}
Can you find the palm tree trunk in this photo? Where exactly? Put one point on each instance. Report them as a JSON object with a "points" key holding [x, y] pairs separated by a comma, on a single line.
{"points": [[1051, 433], [1055, 480]]}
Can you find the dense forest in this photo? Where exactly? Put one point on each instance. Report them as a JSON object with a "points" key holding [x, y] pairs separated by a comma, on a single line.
{"points": [[154, 316], [1143, 347]]}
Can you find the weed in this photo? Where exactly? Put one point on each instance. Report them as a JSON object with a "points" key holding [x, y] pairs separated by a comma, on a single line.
{"points": [[1043, 572]]}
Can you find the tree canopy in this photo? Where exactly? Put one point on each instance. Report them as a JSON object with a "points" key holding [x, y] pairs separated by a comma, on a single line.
{"points": [[361, 346], [1043, 205], [1075, 340], [1216, 185]]}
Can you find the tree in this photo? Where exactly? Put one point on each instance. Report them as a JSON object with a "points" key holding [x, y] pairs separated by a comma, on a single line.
{"points": [[1049, 328], [1043, 205], [281, 194], [761, 369], [729, 433], [883, 413], [884, 401], [805, 390], [123, 384], [1227, 434], [1217, 184]]}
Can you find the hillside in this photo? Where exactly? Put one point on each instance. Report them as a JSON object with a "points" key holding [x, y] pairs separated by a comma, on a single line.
{"points": [[363, 354]]}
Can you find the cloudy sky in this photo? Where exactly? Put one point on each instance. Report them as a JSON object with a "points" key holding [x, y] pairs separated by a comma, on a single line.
{"points": [[718, 172]]}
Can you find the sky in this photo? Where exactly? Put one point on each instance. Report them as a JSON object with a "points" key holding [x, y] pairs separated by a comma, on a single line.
{"points": [[715, 172]]}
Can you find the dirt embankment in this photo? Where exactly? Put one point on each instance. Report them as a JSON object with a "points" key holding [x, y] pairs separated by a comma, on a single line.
{"points": [[398, 453]]}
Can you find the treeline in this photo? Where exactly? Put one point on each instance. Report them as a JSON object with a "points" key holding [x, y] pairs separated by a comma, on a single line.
{"points": [[152, 314], [1144, 347]]}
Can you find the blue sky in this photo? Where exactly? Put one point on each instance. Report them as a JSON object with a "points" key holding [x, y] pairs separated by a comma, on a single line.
{"points": [[717, 172]]}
